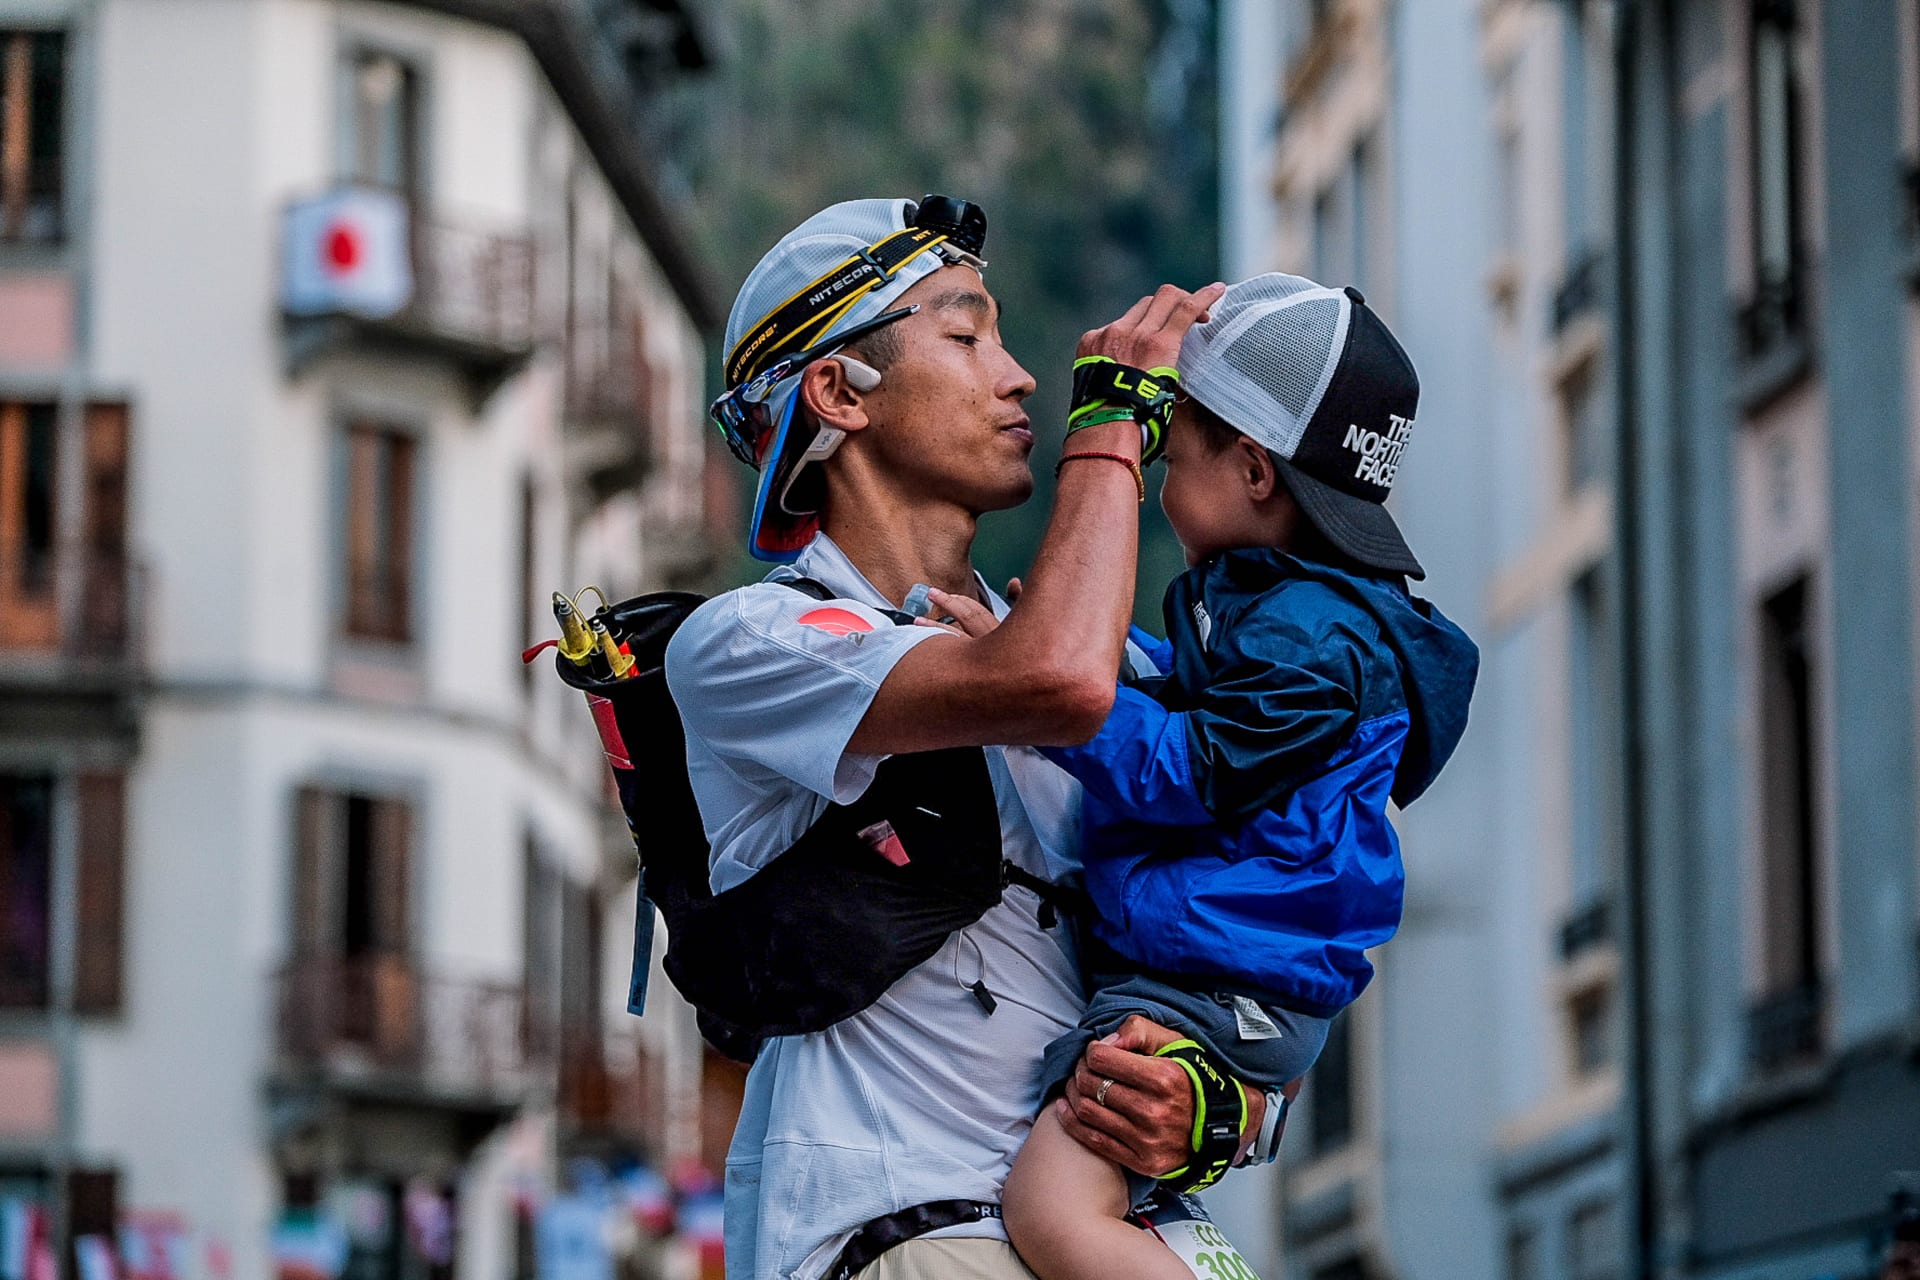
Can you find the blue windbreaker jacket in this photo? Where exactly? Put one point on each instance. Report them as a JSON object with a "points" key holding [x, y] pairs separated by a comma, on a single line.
{"points": [[1235, 826]]}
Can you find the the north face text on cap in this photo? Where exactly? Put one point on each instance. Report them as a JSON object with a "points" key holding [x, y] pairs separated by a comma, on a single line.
{"points": [[1379, 452]]}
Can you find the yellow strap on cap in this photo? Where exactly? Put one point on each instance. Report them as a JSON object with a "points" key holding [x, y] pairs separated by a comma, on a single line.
{"points": [[811, 311]]}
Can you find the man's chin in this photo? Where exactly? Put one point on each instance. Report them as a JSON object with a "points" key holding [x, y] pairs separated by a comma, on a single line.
{"points": [[1010, 495]]}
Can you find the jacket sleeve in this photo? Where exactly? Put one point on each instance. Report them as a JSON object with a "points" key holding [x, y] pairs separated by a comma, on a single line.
{"points": [[1137, 764], [1159, 652], [1270, 718]]}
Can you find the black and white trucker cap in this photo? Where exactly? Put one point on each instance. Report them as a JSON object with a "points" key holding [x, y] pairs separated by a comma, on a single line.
{"points": [[1314, 376]]}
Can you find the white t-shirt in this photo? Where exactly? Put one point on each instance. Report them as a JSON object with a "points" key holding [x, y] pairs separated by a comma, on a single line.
{"points": [[923, 1095]]}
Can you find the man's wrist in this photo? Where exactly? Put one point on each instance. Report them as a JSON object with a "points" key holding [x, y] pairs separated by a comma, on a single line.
{"points": [[1108, 437]]}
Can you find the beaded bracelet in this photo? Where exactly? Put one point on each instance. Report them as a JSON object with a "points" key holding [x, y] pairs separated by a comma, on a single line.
{"points": [[1139, 480]]}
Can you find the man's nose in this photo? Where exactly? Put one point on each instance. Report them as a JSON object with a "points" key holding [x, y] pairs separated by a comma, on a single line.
{"points": [[1016, 383]]}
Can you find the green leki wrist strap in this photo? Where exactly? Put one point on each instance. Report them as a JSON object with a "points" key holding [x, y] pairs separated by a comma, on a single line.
{"points": [[1104, 390], [1219, 1118]]}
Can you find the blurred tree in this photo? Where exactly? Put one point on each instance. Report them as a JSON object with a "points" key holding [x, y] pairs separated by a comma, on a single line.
{"points": [[1085, 127]]}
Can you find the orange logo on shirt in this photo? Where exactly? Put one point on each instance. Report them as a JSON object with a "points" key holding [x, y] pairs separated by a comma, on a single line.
{"points": [[836, 622]]}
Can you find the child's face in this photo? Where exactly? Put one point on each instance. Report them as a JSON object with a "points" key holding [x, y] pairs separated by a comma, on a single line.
{"points": [[1217, 501]]}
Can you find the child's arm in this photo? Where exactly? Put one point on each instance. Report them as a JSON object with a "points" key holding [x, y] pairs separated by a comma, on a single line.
{"points": [[1137, 764], [1258, 731]]}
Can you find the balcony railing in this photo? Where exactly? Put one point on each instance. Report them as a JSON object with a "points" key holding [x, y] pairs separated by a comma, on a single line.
{"points": [[1586, 928], [608, 389], [1785, 1027], [471, 285], [373, 268], [610, 1088], [1776, 314], [1580, 289], [74, 609], [380, 1021], [37, 214]]}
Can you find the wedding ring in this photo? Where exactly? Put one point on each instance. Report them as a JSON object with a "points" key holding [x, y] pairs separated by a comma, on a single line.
{"points": [[1100, 1095]]}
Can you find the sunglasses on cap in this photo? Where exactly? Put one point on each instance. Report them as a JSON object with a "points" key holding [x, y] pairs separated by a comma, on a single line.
{"points": [[745, 415]]}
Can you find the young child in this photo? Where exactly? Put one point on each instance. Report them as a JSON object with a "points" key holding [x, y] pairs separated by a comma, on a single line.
{"points": [[1237, 847]]}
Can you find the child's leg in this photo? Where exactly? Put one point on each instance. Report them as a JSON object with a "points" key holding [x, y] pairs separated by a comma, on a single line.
{"points": [[1065, 1211]]}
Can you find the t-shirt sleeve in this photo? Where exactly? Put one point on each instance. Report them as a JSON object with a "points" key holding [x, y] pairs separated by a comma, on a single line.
{"points": [[768, 676]]}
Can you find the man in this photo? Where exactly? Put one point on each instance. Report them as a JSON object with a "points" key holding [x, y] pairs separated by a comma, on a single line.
{"points": [[868, 384]]}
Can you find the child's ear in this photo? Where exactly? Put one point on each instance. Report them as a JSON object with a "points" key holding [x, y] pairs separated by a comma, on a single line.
{"points": [[1256, 467]]}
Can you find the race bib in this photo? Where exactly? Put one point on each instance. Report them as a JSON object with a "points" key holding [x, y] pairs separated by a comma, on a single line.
{"points": [[1181, 1223], [1206, 1251]]}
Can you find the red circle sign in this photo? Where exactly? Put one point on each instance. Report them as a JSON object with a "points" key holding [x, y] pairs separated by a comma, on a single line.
{"points": [[343, 247]]}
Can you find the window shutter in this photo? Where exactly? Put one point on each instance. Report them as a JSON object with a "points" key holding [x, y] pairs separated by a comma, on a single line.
{"points": [[316, 872], [101, 931], [392, 835], [105, 520]]}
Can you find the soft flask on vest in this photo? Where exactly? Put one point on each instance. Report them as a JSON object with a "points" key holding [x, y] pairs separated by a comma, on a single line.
{"points": [[871, 890]]}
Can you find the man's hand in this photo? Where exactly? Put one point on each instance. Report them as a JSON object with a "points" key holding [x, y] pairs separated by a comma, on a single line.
{"points": [[1146, 1122], [1149, 334], [970, 617]]}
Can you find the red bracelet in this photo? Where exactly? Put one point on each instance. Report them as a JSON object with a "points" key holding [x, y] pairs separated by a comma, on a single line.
{"points": [[1139, 480]]}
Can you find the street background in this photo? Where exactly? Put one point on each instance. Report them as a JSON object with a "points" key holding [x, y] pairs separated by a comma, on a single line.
{"points": [[336, 335]]}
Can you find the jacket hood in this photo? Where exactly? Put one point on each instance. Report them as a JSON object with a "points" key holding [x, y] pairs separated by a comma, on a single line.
{"points": [[1438, 662]]}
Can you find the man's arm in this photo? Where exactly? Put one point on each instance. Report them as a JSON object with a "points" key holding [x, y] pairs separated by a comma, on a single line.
{"points": [[1047, 675]]}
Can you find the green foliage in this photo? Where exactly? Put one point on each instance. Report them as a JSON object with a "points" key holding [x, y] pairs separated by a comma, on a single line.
{"points": [[1053, 114]]}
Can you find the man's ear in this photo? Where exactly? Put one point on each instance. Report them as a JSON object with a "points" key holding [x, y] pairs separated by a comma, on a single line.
{"points": [[1256, 468], [827, 391]]}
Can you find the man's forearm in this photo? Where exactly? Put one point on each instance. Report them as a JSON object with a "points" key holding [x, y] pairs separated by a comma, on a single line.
{"points": [[1076, 600]]}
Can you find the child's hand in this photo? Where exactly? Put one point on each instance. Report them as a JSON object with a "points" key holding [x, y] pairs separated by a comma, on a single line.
{"points": [[970, 617]]}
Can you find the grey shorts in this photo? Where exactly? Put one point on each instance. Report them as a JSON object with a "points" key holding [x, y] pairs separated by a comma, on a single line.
{"points": [[1263, 1046]]}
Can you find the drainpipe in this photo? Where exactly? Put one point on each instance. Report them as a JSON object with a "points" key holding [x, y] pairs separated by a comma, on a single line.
{"points": [[1641, 1191]]}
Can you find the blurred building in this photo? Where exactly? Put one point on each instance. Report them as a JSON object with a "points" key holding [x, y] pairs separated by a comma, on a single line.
{"points": [[1768, 329], [333, 338], [1655, 996]]}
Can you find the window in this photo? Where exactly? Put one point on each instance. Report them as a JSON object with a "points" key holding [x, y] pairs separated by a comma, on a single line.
{"points": [[101, 807], [1777, 310], [1331, 1082], [383, 122], [1361, 178], [29, 803], [1785, 1020], [1340, 221], [28, 437], [1591, 709], [32, 161], [353, 875], [26, 873], [1590, 1021], [1593, 1242], [540, 944], [1523, 1254], [1333, 232], [379, 533], [1584, 209]]}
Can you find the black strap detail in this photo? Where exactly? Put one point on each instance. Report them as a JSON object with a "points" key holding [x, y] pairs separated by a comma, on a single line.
{"points": [[1054, 898], [791, 326], [821, 591], [883, 1233]]}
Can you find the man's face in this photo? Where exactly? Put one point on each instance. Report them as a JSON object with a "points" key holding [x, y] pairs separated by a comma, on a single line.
{"points": [[946, 419]]}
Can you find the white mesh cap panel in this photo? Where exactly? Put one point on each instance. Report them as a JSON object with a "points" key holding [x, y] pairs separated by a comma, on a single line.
{"points": [[1264, 360], [817, 246]]}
